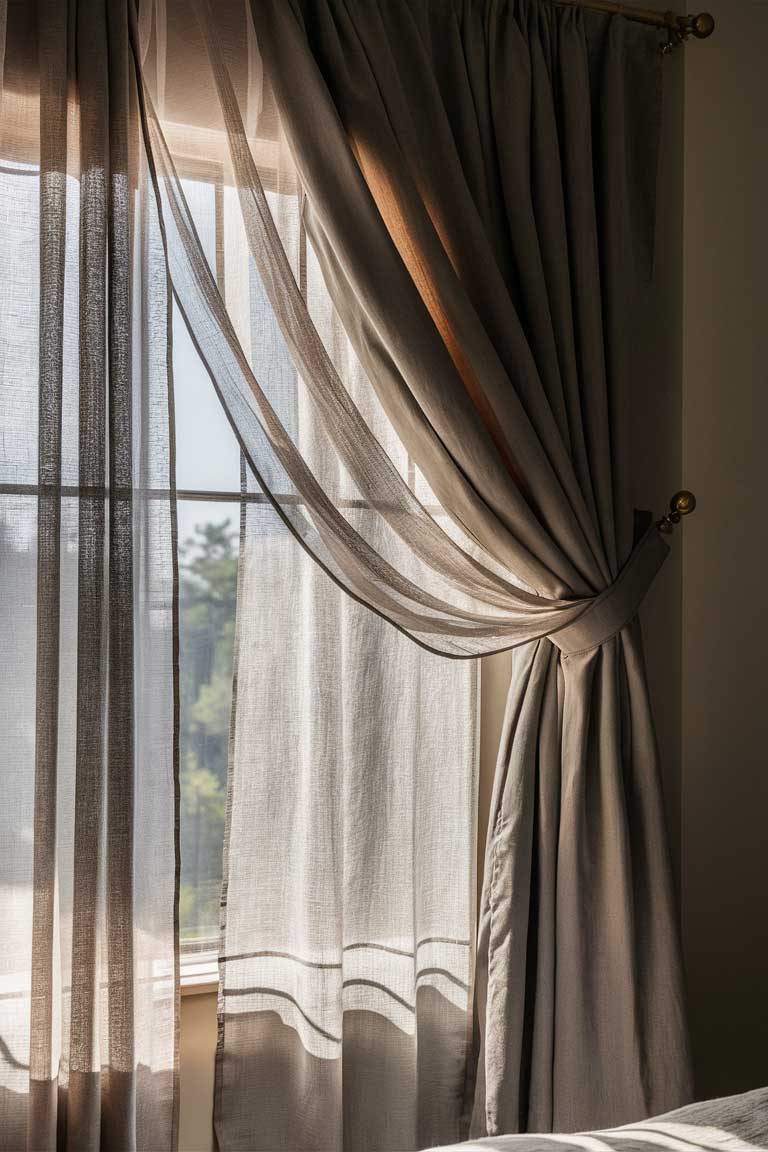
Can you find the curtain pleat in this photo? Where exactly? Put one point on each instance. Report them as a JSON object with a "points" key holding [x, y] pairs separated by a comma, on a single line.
{"points": [[84, 1093], [52, 254], [120, 1117], [578, 905]]}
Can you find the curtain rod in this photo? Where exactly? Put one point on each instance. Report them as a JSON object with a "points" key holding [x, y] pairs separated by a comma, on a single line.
{"points": [[679, 27]]}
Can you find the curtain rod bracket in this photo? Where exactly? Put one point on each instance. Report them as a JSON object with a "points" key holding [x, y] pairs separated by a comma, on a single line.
{"points": [[679, 28], [681, 504]]}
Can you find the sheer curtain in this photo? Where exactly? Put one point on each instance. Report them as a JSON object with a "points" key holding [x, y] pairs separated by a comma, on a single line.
{"points": [[346, 954], [347, 941], [88, 848]]}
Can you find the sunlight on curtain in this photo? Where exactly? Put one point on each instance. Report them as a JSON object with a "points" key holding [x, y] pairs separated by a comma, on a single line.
{"points": [[347, 946], [87, 964]]}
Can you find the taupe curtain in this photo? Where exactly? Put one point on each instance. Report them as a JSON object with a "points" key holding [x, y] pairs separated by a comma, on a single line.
{"points": [[479, 184], [88, 981]]}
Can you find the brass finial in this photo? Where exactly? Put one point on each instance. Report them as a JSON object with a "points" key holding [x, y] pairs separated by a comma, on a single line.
{"points": [[681, 504], [702, 25], [680, 28]]}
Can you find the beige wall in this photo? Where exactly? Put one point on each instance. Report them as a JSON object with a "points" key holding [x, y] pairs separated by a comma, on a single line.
{"points": [[196, 1063], [725, 449], [656, 465]]}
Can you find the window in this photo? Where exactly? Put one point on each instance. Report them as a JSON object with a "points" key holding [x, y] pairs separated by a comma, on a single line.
{"points": [[211, 492], [208, 550], [210, 497], [208, 494]]}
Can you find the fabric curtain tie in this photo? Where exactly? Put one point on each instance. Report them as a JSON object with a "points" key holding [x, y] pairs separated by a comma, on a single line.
{"points": [[613, 609]]}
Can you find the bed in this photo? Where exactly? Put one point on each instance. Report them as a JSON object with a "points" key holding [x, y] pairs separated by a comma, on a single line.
{"points": [[731, 1124]]}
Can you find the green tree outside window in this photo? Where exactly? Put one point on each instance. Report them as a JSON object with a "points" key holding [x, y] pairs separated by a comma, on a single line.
{"points": [[207, 595]]}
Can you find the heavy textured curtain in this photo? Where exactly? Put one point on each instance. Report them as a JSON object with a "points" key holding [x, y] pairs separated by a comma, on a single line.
{"points": [[479, 184], [87, 841], [479, 188]]}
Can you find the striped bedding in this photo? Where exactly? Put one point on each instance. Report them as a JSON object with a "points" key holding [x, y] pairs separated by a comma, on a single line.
{"points": [[731, 1124]]}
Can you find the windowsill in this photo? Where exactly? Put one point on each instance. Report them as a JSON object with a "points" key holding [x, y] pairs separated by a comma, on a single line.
{"points": [[199, 973]]}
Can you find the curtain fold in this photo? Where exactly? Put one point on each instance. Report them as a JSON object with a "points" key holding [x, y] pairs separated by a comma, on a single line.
{"points": [[463, 602], [89, 979]]}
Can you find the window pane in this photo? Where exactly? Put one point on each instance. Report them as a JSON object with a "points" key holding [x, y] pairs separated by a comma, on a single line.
{"points": [[207, 453], [208, 553], [207, 459], [19, 319]]}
